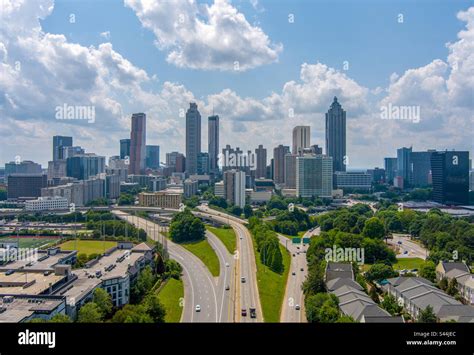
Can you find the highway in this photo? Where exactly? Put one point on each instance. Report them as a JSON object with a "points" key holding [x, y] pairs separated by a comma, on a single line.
{"points": [[412, 249], [246, 293], [200, 287]]}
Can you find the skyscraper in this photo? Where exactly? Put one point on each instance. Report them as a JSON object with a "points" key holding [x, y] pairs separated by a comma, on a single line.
{"points": [[336, 135], [314, 176], [203, 163], [301, 139], [261, 169], [420, 168], [83, 167], [390, 169], [138, 144], [450, 173], [58, 143], [152, 156], [124, 148], [290, 171], [234, 187], [279, 163], [213, 142], [404, 165], [193, 138]]}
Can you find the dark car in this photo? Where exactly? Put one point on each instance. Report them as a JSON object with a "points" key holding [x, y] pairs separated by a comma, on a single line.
{"points": [[253, 313], [244, 312]]}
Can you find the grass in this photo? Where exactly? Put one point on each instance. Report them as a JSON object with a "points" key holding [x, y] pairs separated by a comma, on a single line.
{"points": [[271, 286], [408, 263], [226, 235], [204, 251], [300, 235], [88, 246], [30, 242], [171, 296]]}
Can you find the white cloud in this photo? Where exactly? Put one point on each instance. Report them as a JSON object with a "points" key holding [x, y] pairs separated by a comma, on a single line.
{"points": [[206, 37], [105, 35]]}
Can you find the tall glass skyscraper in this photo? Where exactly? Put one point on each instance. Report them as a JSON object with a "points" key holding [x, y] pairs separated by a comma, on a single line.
{"points": [[301, 139], [58, 143], [193, 138], [138, 144], [261, 168], [213, 142], [152, 156], [450, 174], [124, 148], [336, 135]]}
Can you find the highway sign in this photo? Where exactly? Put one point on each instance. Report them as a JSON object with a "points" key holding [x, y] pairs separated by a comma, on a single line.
{"points": [[296, 241]]}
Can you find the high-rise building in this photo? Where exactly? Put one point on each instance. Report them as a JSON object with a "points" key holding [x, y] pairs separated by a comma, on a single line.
{"points": [[138, 144], [357, 180], [83, 167], [124, 148], [25, 185], [316, 149], [420, 168], [377, 175], [57, 169], [234, 187], [203, 163], [152, 156], [193, 138], [279, 163], [72, 151], [290, 171], [180, 166], [213, 143], [261, 168], [314, 176], [336, 136], [301, 139], [22, 167], [390, 169], [450, 174], [404, 165], [58, 143]]}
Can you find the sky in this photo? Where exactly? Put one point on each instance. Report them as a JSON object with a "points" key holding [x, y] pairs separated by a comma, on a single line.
{"points": [[262, 66]]}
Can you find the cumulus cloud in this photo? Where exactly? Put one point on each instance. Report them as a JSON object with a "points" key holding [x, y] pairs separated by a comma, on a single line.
{"points": [[207, 37]]}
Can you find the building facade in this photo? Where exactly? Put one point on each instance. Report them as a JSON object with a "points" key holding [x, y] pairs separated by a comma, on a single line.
{"points": [[193, 138], [450, 175], [213, 143], [301, 139], [336, 135], [314, 176], [138, 144]]}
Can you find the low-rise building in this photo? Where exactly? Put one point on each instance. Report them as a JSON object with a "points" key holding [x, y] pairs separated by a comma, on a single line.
{"points": [[162, 199], [353, 180], [461, 272], [47, 203], [190, 188]]}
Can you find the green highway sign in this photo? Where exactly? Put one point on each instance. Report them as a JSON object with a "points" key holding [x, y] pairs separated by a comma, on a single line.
{"points": [[306, 240], [296, 240]]}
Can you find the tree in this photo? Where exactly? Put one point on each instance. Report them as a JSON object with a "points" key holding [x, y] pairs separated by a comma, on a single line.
{"points": [[427, 315], [322, 308], [144, 284], [391, 305], [173, 269], [443, 283], [314, 282], [345, 319], [379, 272], [103, 300], [90, 313], [132, 314], [277, 261], [374, 228], [452, 289], [61, 318], [154, 308], [248, 212], [428, 271], [185, 227]]}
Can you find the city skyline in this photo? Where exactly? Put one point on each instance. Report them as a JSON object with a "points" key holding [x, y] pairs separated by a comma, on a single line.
{"points": [[250, 102]]}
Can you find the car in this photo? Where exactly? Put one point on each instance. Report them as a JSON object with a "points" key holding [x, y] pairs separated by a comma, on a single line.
{"points": [[301, 269], [294, 254], [405, 252], [414, 270], [293, 273], [244, 312], [227, 288], [298, 253], [399, 242], [242, 279], [9, 272], [226, 264], [198, 308], [297, 307], [240, 238], [297, 247], [253, 312]]}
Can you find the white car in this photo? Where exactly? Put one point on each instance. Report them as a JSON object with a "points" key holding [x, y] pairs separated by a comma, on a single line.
{"points": [[198, 308], [297, 307], [226, 264]]}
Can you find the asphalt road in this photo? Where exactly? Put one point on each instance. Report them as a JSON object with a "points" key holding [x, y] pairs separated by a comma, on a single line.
{"points": [[200, 287], [413, 250], [246, 295]]}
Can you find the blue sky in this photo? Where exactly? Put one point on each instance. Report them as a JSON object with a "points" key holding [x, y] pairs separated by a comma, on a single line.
{"points": [[124, 56]]}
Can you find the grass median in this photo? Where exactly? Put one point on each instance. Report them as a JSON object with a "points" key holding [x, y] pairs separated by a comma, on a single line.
{"points": [[226, 235], [88, 247], [204, 251], [271, 286], [171, 296]]}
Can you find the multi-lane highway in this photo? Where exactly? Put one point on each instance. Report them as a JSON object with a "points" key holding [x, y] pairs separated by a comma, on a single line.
{"points": [[407, 248], [246, 295], [201, 289]]}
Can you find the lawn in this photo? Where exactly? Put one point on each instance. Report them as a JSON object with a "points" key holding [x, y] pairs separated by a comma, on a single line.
{"points": [[204, 251], [226, 235], [408, 263], [271, 286], [171, 296], [31, 242], [88, 246]]}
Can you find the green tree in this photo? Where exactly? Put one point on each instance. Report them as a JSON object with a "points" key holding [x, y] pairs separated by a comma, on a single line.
{"points": [[103, 300], [90, 313], [428, 271], [146, 280], [427, 315], [61, 318], [132, 314], [391, 305], [185, 227], [154, 308], [374, 228], [443, 283], [452, 289], [379, 272], [248, 212]]}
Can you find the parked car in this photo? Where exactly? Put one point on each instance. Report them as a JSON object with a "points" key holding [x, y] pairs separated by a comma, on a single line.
{"points": [[242, 279], [227, 288], [297, 307]]}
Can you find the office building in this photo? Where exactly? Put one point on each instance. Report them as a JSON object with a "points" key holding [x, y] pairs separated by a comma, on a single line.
{"points": [[301, 139], [314, 176], [57, 169], [124, 148], [420, 168], [25, 185], [450, 175], [336, 135], [47, 203], [72, 151], [171, 158], [377, 175], [290, 171], [138, 144], [234, 187], [112, 186], [203, 164], [83, 167], [153, 157], [163, 199], [390, 169], [190, 188], [22, 167], [58, 143], [471, 180], [219, 189], [404, 165], [213, 143], [261, 157], [279, 163], [316, 149], [193, 138], [353, 180]]}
